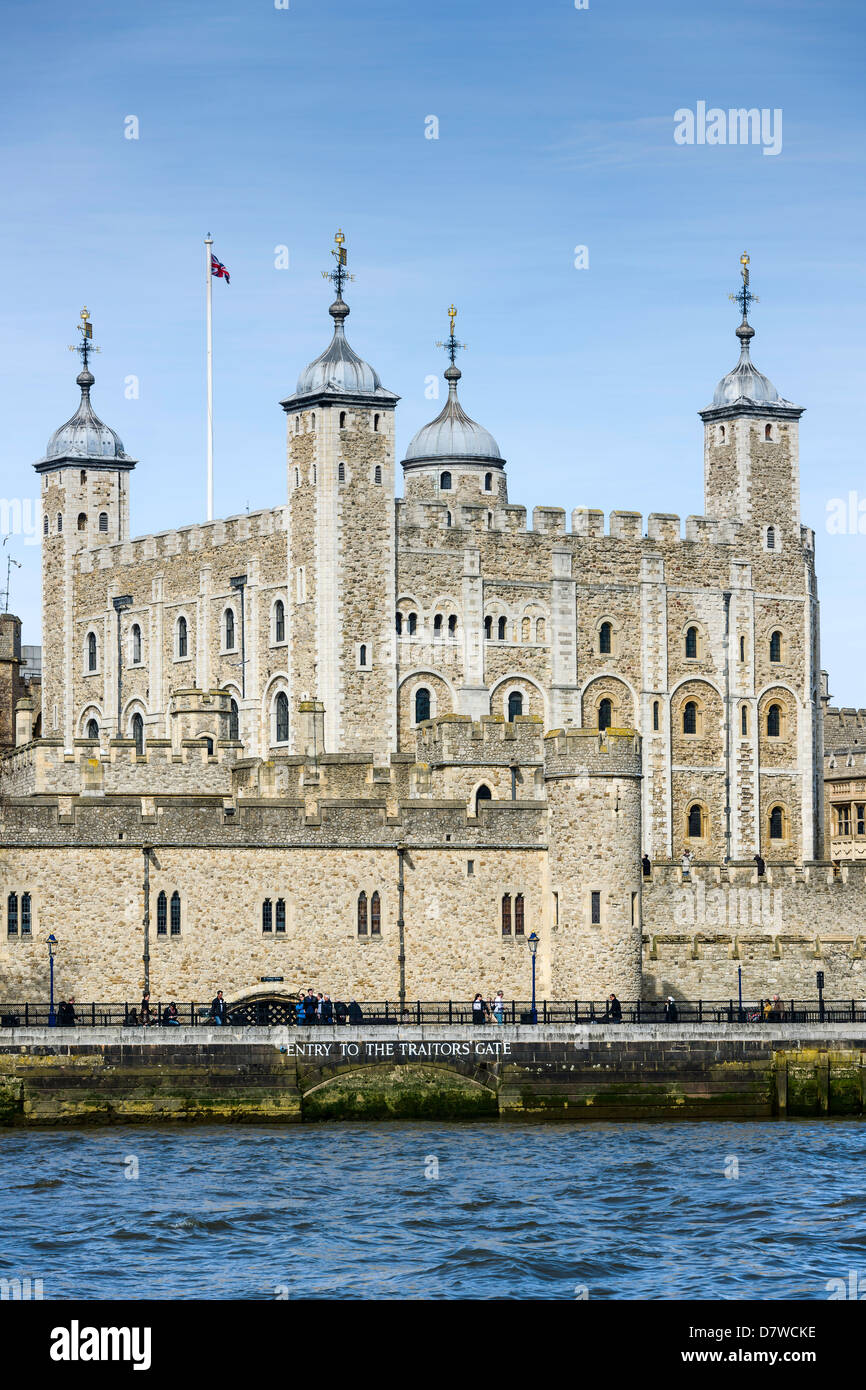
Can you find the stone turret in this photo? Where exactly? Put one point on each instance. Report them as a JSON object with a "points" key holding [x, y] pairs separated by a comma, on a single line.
{"points": [[593, 784]]}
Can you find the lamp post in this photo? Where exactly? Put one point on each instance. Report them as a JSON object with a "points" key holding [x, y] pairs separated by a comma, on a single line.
{"points": [[51, 942], [533, 942]]}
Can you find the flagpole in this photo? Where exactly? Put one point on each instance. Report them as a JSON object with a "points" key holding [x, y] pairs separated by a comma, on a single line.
{"points": [[208, 272]]}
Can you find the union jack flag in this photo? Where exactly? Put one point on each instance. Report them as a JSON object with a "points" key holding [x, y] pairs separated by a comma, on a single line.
{"points": [[217, 268]]}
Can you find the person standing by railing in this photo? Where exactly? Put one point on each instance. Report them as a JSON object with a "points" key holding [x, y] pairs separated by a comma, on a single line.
{"points": [[497, 1006]]}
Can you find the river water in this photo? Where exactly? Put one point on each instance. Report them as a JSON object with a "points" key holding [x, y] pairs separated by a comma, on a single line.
{"points": [[758, 1210]]}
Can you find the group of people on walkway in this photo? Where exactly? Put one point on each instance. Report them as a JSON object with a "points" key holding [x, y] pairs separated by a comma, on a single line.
{"points": [[315, 1008], [488, 1010]]}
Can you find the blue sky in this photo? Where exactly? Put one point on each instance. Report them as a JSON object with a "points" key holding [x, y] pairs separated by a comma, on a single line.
{"points": [[271, 127]]}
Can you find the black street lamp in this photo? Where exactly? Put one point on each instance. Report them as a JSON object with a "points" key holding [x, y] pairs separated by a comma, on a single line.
{"points": [[533, 941], [51, 942]]}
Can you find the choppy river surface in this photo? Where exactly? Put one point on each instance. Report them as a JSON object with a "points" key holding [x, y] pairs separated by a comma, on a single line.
{"points": [[408, 1210]]}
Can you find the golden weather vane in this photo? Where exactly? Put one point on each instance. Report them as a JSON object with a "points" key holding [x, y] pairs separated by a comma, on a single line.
{"points": [[744, 297], [451, 345], [339, 276], [86, 346]]}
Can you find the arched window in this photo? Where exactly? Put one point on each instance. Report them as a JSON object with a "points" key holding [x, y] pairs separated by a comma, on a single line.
{"points": [[605, 710], [341, 472], [744, 720], [162, 915], [605, 633], [771, 538], [437, 625], [422, 704], [377, 473], [445, 482], [452, 624], [297, 424], [768, 431], [506, 914], [234, 721], [208, 743], [525, 630], [92, 730], [447, 518], [91, 651], [175, 913], [342, 419], [777, 823], [500, 629], [375, 424], [399, 624], [26, 915], [515, 705], [483, 794], [281, 717], [136, 644], [229, 629], [413, 623], [279, 621], [12, 914], [488, 482], [103, 521], [267, 915], [540, 630], [775, 646], [182, 637], [281, 915], [138, 734], [488, 627], [690, 717], [375, 915], [655, 714], [362, 654], [362, 914], [742, 648], [721, 434], [518, 915], [313, 420], [774, 721], [59, 521], [695, 827], [82, 521], [692, 642], [489, 521]]}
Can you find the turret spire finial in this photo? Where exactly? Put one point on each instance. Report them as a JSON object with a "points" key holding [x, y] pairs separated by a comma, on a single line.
{"points": [[85, 347], [339, 276], [744, 298], [451, 345]]}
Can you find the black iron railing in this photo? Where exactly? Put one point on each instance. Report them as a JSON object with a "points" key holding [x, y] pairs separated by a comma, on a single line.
{"points": [[263, 1012]]}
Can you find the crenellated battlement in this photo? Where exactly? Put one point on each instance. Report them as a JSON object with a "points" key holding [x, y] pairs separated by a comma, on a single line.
{"points": [[46, 768], [587, 523], [458, 739], [569, 752], [183, 540], [843, 728]]}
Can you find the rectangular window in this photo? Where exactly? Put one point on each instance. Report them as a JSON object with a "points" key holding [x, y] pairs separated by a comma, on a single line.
{"points": [[634, 909], [843, 816], [861, 820], [518, 915], [556, 909], [470, 867], [595, 909]]}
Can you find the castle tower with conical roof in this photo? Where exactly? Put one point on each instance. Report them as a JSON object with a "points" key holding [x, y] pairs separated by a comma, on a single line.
{"points": [[85, 505], [341, 544]]}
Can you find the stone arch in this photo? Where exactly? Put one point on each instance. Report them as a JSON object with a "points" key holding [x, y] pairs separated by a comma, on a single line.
{"points": [[534, 695], [277, 685], [621, 696], [778, 749], [92, 710], [700, 743], [442, 701]]}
